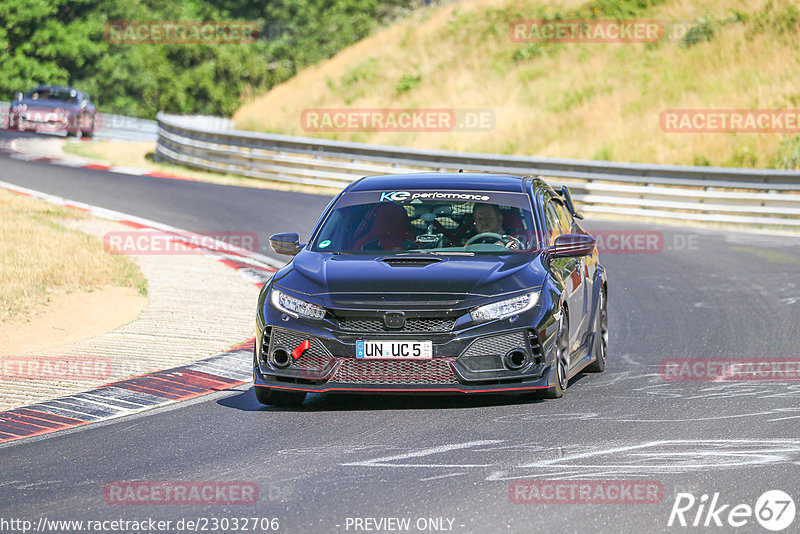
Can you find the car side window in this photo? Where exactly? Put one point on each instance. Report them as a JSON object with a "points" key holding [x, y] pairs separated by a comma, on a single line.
{"points": [[564, 216], [551, 219]]}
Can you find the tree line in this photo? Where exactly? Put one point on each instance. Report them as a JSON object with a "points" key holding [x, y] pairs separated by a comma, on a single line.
{"points": [[66, 42]]}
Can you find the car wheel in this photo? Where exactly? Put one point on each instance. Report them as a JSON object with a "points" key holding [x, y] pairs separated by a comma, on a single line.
{"points": [[600, 348], [279, 398], [89, 133], [562, 361]]}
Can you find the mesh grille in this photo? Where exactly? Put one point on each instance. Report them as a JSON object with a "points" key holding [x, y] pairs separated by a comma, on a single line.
{"points": [[315, 357], [496, 345], [436, 324], [435, 371]]}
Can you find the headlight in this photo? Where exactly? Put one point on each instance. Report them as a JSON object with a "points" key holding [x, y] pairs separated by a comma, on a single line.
{"points": [[296, 307], [505, 308]]}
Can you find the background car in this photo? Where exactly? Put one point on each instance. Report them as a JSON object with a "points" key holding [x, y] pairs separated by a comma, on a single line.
{"points": [[52, 108], [434, 283]]}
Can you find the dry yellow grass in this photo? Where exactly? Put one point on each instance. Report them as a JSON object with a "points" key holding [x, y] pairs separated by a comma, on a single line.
{"points": [[589, 100], [39, 257]]}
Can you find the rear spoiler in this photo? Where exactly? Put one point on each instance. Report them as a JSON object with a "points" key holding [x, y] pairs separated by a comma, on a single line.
{"points": [[567, 196]]}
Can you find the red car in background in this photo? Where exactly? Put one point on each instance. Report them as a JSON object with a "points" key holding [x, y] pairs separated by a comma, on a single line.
{"points": [[53, 108]]}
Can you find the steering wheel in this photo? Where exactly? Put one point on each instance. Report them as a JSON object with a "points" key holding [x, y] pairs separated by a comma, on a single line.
{"points": [[492, 235]]}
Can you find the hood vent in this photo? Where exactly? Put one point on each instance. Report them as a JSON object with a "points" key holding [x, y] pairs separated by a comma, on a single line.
{"points": [[410, 262]]}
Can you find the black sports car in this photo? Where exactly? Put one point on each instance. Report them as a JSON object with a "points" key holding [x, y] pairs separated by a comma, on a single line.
{"points": [[434, 283]]}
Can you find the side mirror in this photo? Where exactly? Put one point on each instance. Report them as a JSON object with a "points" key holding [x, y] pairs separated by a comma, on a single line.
{"points": [[572, 246], [18, 96], [288, 244]]}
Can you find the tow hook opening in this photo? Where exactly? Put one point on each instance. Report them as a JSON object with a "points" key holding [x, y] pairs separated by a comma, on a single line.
{"points": [[515, 359], [280, 357]]}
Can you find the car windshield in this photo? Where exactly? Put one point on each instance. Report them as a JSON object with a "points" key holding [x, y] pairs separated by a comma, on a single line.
{"points": [[69, 97], [445, 222]]}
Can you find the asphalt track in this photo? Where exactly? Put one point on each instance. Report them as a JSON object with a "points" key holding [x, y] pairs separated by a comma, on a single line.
{"points": [[705, 294]]}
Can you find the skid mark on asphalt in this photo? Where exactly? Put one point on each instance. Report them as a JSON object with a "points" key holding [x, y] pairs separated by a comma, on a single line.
{"points": [[441, 476], [638, 460], [328, 450], [718, 390], [387, 461], [650, 385], [659, 457]]}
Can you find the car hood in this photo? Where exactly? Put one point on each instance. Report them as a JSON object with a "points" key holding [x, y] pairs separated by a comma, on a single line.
{"points": [[353, 281]]}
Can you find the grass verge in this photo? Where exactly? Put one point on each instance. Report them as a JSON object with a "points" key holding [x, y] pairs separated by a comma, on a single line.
{"points": [[39, 257]]}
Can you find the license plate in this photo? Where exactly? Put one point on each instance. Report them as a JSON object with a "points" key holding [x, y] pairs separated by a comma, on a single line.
{"points": [[394, 350]]}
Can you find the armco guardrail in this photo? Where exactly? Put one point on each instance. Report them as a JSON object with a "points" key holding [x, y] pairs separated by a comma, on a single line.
{"points": [[110, 126], [122, 128], [712, 194]]}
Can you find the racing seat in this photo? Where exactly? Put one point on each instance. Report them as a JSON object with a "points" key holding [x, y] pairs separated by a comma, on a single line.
{"points": [[390, 228]]}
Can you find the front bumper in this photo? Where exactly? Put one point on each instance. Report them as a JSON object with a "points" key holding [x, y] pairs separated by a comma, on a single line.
{"points": [[461, 363], [41, 121]]}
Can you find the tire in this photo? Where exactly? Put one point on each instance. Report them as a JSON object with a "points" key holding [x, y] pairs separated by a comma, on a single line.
{"points": [[562, 362], [89, 134], [279, 398], [600, 348]]}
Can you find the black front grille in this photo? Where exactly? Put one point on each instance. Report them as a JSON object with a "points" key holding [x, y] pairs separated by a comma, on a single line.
{"points": [[316, 357], [409, 372], [370, 324], [496, 345]]}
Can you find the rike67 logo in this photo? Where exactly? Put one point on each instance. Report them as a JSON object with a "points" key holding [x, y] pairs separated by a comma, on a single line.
{"points": [[774, 510]]}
